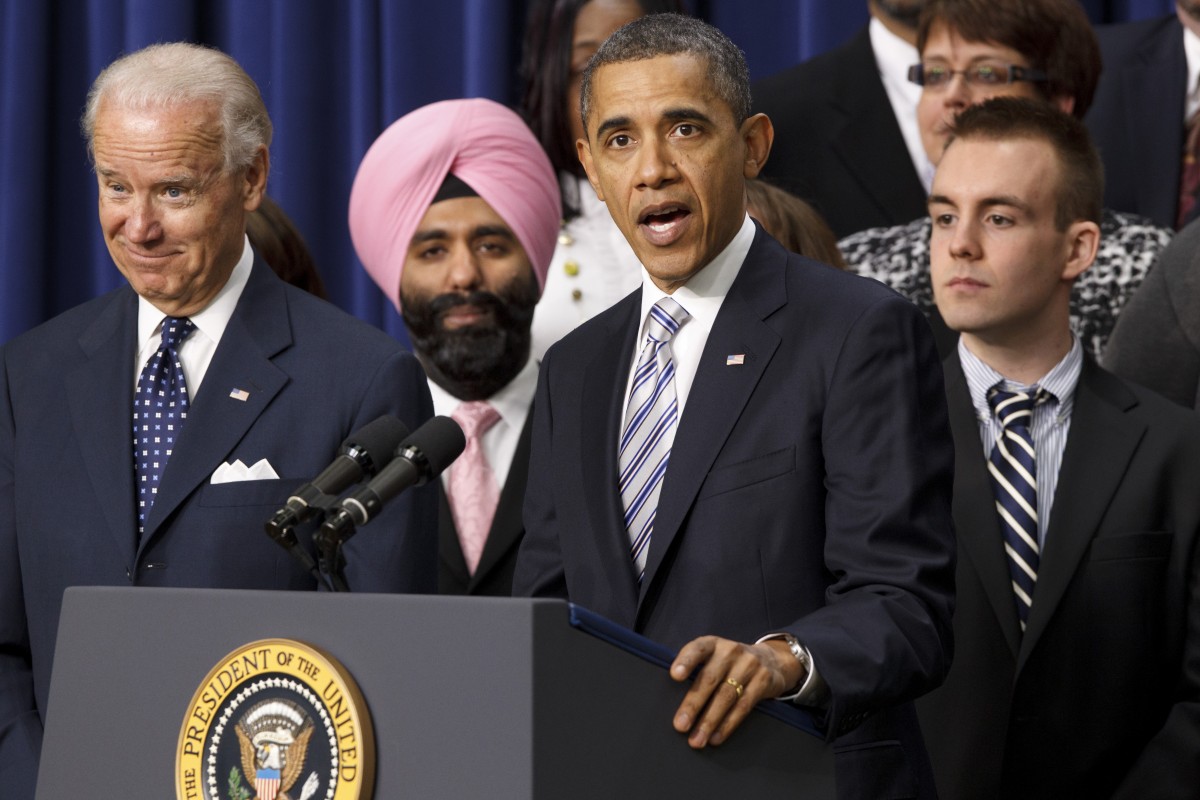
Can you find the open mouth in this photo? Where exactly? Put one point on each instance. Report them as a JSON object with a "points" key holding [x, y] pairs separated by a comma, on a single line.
{"points": [[664, 224]]}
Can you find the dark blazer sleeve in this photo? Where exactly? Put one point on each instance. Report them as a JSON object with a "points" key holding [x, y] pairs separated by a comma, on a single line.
{"points": [[20, 724], [540, 571], [889, 539], [1156, 341]]}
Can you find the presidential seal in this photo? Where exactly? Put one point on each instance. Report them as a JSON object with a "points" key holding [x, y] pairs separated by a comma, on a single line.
{"points": [[276, 719]]}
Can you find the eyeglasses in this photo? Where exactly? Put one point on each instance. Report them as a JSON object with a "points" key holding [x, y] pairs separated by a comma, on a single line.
{"points": [[938, 77]]}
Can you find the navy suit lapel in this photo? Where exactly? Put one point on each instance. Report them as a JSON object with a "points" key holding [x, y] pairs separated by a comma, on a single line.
{"points": [[869, 142], [974, 510], [259, 329], [719, 391], [103, 420], [1156, 88], [602, 409], [1100, 445]]}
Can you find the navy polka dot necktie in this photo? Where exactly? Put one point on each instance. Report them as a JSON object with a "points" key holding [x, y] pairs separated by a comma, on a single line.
{"points": [[160, 407]]}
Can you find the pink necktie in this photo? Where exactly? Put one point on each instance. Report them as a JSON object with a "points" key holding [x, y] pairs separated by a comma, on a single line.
{"points": [[473, 490]]}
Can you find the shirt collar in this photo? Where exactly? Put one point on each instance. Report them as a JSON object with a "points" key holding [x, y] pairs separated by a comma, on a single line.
{"points": [[512, 401], [704, 292], [1060, 381], [213, 318]]}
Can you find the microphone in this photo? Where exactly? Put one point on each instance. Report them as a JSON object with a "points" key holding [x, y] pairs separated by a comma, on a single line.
{"points": [[419, 459], [362, 455]]}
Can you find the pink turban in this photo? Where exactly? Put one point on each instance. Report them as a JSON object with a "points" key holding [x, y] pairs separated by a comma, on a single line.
{"points": [[485, 145]]}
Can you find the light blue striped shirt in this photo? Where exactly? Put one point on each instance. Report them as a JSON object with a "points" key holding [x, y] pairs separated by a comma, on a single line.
{"points": [[1051, 419]]}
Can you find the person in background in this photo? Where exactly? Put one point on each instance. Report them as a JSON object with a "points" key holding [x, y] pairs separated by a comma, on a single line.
{"points": [[147, 435], [792, 222], [1157, 340], [1144, 120], [747, 459], [1077, 626], [276, 238], [847, 120], [454, 213], [972, 50], [593, 265]]}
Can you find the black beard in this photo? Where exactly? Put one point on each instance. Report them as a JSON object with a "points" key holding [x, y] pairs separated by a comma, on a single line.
{"points": [[474, 362], [1191, 9], [903, 13]]}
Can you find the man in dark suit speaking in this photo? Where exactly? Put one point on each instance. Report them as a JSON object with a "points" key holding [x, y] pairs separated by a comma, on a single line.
{"points": [[147, 435], [1078, 622], [806, 500]]}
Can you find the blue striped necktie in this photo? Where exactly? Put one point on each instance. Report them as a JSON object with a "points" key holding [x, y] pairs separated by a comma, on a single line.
{"points": [[1013, 467], [650, 421], [160, 407]]}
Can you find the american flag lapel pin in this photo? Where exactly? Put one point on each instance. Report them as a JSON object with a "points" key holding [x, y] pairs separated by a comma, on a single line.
{"points": [[735, 360], [240, 394]]}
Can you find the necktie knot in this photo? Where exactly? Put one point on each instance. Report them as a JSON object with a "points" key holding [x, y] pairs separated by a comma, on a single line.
{"points": [[475, 417], [1015, 409], [666, 317], [174, 331]]}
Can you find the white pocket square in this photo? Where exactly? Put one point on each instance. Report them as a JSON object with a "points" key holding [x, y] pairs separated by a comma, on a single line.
{"points": [[238, 471]]}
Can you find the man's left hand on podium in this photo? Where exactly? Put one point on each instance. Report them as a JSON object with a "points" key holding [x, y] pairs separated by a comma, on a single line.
{"points": [[730, 678]]}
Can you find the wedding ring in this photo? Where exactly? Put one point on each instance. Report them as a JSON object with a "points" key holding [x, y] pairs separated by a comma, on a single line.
{"points": [[737, 686]]}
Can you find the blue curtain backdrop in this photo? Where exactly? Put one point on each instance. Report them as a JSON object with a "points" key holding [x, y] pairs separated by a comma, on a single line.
{"points": [[334, 74]]}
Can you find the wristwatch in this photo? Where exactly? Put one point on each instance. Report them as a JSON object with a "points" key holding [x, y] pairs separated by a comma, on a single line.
{"points": [[801, 655]]}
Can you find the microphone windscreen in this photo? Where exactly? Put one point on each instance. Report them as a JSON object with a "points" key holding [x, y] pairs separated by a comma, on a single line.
{"points": [[440, 441], [378, 439]]}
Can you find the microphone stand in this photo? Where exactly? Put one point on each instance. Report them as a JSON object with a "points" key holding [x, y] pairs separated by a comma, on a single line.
{"points": [[331, 571], [328, 539]]}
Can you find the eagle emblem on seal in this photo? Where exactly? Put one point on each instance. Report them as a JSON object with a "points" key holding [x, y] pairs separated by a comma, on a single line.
{"points": [[273, 736]]}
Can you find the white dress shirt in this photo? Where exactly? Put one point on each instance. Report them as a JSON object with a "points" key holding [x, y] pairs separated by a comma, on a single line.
{"points": [[894, 56], [512, 402], [196, 352], [1191, 49], [702, 297]]}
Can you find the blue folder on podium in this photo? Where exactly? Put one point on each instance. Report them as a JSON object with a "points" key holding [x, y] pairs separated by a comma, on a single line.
{"points": [[469, 698]]}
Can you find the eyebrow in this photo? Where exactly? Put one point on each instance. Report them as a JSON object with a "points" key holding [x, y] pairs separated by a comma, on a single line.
{"points": [[672, 114], [987, 202], [476, 233]]}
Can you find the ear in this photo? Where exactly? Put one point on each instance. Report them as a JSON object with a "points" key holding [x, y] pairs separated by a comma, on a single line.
{"points": [[758, 133], [1083, 239], [1064, 103], [254, 179], [583, 149]]}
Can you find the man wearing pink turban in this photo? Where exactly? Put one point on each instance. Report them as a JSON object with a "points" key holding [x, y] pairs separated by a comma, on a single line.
{"points": [[454, 213]]}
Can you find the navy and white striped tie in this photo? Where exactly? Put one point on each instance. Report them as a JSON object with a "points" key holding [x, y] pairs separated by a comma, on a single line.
{"points": [[650, 421], [1013, 467]]}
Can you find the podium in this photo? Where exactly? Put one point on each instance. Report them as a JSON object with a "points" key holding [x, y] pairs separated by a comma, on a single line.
{"points": [[468, 697]]}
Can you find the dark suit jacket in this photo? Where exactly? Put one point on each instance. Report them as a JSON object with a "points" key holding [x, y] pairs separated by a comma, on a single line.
{"points": [[1136, 119], [1157, 338], [837, 142], [493, 577], [313, 374], [1103, 690], [808, 492]]}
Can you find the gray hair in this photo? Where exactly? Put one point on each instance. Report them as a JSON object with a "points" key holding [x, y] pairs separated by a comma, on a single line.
{"points": [[674, 34], [179, 73]]}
